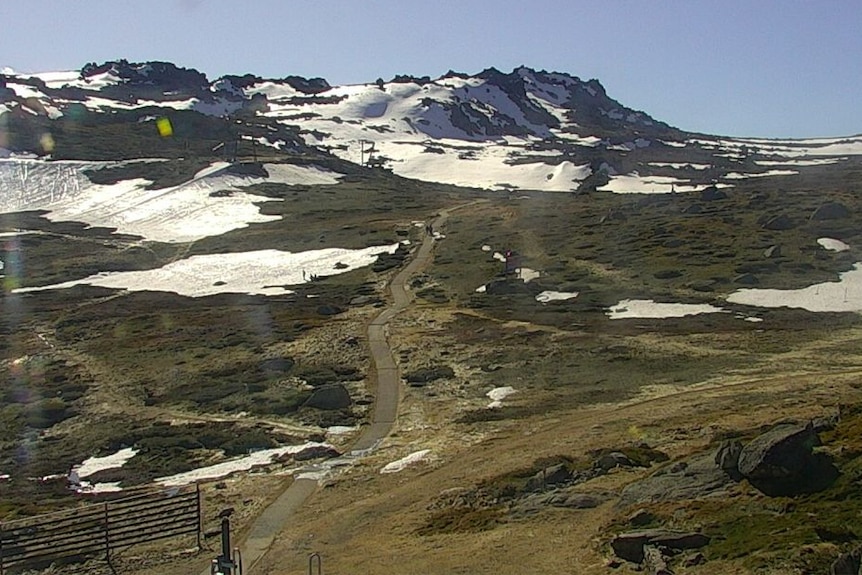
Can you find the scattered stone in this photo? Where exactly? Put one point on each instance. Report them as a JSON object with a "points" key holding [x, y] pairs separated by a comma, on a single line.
{"points": [[630, 546], [329, 397], [340, 265], [830, 211]]}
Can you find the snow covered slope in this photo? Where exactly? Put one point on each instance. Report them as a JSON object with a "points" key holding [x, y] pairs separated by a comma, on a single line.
{"points": [[523, 130]]}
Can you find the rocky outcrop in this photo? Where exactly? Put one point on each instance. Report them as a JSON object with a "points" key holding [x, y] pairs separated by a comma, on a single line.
{"points": [[694, 478], [630, 546]]}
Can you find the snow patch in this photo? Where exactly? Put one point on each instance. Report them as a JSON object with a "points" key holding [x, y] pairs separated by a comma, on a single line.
{"points": [[262, 272], [845, 295], [549, 295], [250, 461], [405, 462], [833, 245], [498, 394], [649, 309]]}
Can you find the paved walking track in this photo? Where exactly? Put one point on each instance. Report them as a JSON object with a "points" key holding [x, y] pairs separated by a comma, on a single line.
{"points": [[265, 528]]}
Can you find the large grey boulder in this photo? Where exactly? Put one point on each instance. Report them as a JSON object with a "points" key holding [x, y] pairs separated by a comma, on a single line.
{"points": [[782, 462], [329, 397], [780, 453]]}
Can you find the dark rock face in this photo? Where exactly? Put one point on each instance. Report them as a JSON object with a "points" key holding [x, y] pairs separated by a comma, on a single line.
{"points": [[781, 462], [848, 563], [329, 397], [630, 546], [779, 453], [830, 211]]}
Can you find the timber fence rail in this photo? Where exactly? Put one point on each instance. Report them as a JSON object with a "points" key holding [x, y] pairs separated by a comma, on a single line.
{"points": [[100, 528]]}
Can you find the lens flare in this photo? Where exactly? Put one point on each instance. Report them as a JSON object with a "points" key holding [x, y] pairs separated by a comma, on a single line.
{"points": [[164, 127], [47, 143]]}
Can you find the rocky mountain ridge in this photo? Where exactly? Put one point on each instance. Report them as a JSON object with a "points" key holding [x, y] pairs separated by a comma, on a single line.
{"points": [[522, 130]]}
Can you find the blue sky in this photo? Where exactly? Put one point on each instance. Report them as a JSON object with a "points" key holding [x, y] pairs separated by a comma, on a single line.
{"points": [[765, 68]]}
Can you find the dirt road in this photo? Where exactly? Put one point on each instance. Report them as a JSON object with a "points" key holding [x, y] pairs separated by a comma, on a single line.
{"points": [[264, 529]]}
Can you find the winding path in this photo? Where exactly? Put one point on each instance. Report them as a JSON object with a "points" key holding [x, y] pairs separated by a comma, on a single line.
{"points": [[270, 522]]}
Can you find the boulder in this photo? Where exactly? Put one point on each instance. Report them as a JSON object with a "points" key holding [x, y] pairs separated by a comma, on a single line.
{"points": [[329, 397], [630, 546], [553, 475], [778, 223], [423, 376], [711, 194], [780, 453], [613, 459], [830, 211]]}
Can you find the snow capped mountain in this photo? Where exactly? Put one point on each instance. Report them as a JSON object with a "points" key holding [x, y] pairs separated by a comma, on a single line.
{"points": [[526, 129]]}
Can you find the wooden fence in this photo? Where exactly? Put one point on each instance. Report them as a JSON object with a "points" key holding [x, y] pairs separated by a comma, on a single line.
{"points": [[100, 529]]}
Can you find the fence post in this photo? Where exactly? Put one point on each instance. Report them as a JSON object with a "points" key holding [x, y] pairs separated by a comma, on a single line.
{"points": [[200, 515], [107, 539]]}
